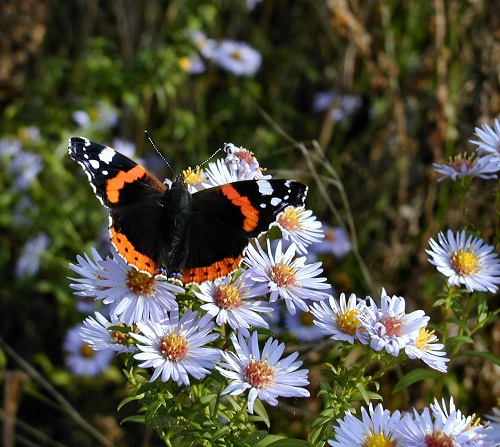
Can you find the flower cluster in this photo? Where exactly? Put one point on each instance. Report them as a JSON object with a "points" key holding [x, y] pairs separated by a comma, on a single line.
{"points": [[384, 328], [233, 56], [439, 424]]}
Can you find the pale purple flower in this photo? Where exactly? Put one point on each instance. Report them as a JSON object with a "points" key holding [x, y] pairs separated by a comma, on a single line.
{"points": [[490, 138], [238, 58], [28, 263]]}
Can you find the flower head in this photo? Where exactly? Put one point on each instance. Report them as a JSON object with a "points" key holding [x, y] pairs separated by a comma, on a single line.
{"points": [[174, 347], [490, 138], [389, 327], [81, 358], [341, 320], [336, 242], [28, 262], [375, 428], [466, 260], [426, 348], [242, 163], [299, 226], [133, 296], [463, 165], [265, 374], [238, 58], [285, 276], [492, 435], [233, 302]]}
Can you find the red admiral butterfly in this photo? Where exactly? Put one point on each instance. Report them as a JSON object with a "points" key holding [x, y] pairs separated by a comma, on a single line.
{"points": [[193, 237]]}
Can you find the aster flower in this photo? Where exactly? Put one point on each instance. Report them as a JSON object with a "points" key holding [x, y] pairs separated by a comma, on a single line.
{"points": [[103, 116], [133, 296], [10, 147], [232, 302], [238, 58], [28, 262], [339, 106], [174, 347], [191, 65], [100, 334], [342, 321], [81, 359], [335, 242], [389, 327], [90, 272], [205, 45], [466, 260], [218, 173], [25, 167], [242, 163], [426, 348], [463, 165], [375, 428], [438, 426], [286, 277], [492, 434], [299, 226], [266, 375], [302, 326], [490, 138]]}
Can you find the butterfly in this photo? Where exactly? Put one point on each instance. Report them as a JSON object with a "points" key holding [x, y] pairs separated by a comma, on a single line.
{"points": [[193, 237]]}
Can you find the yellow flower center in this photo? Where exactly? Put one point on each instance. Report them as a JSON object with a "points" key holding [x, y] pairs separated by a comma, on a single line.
{"points": [[184, 63], [348, 321], [306, 319], [236, 55], [174, 346], [379, 440], [283, 275], [87, 352], [423, 338], [140, 283], [289, 219], [228, 296], [259, 374], [464, 262], [193, 176]]}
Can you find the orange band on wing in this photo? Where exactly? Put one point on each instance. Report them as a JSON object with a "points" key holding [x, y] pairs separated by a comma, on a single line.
{"points": [[216, 270], [127, 251], [115, 184], [247, 209]]}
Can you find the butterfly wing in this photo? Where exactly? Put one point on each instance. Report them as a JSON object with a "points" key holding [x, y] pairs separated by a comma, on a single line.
{"points": [[133, 195], [224, 218]]}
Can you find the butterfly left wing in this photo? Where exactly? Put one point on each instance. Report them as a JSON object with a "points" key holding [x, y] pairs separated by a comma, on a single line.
{"points": [[224, 218]]}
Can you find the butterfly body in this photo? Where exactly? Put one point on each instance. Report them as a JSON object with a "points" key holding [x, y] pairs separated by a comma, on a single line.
{"points": [[160, 229]]}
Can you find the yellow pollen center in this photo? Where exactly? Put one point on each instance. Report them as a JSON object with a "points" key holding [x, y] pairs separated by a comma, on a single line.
{"points": [[306, 319], [236, 55], [193, 176], [87, 352], [423, 338], [464, 262], [245, 156], [184, 63], [379, 440], [259, 374], [348, 321], [289, 219], [393, 325], [283, 275], [140, 283], [228, 296], [174, 346]]}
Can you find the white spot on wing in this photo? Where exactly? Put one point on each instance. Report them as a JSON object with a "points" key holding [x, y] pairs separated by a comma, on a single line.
{"points": [[265, 187], [94, 163], [107, 155], [275, 201]]}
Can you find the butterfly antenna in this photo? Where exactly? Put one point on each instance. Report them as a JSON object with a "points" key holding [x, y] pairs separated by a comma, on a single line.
{"points": [[211, 156], [159, 153]]}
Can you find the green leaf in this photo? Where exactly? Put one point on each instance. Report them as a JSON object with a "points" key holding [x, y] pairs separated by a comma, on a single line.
{"points": [[280, 441], [460, 324], [129, 399], [484, 355], [460, 339], [414, 376]]}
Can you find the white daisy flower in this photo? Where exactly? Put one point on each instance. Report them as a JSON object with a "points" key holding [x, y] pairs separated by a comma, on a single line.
{"points": [[218, 173], [266, 375], [490, 138], [375, 428], [389, 327], [335, 242], [232, 302], [242, 163], [174, 347], [28, 263], [492, 434], [90, 272], [286, 277], [133, 296], [81, 359], [438, 426], [238, 58], [341, 321], [467, 261], [426, 348], [462, 166], [299, 226], [98, 332]]}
